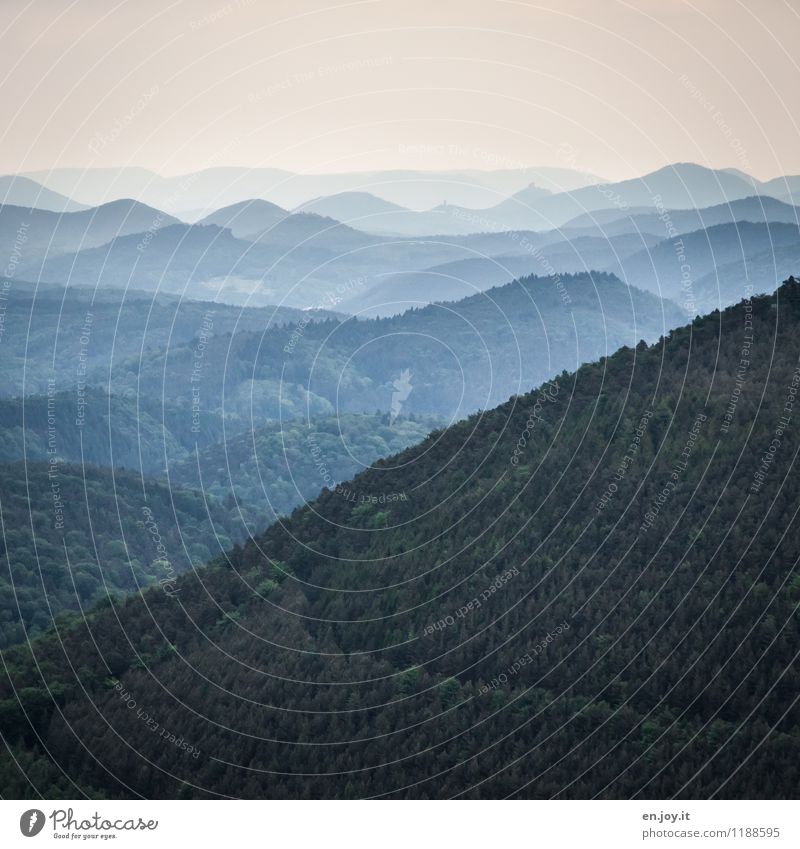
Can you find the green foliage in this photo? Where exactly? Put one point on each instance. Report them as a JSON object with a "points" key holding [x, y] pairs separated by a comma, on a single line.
{"points": [[269, 472], [73, 536]]}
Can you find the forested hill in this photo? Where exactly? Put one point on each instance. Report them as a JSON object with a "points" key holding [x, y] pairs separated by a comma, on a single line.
{"points": [[590, 590], [462, 356], [73, 535], [54, 333], [274, 468], [73, 532]]}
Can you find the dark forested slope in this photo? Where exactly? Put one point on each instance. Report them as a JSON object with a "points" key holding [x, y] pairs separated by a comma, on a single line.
{"points": [[588, 591]]}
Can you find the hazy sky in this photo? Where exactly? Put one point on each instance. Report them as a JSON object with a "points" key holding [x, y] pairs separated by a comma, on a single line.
{"points": [[334, 86]]}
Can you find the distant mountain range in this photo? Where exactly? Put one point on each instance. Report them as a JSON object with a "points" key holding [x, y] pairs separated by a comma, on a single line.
{"points": [[302, 261], [360, 209], [452, 281], [403, 202], [679, 268], [18, 190], [612, 222], [246, 217], [680, 186], [48, 233], [203, 191], [358, 252]]}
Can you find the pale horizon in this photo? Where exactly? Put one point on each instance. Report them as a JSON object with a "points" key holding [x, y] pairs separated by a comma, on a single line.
{"points": [[476, 169], [383, 85]]}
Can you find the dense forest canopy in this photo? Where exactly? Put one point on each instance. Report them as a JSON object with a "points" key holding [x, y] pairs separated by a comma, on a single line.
{"points": [[75, 535], [588, 591]]}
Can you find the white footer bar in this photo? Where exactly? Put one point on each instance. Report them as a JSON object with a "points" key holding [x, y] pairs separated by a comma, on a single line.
{"points": [[402, 825]]}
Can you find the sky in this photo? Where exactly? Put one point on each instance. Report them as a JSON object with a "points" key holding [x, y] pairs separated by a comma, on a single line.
{"points": [[612, 88]]}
